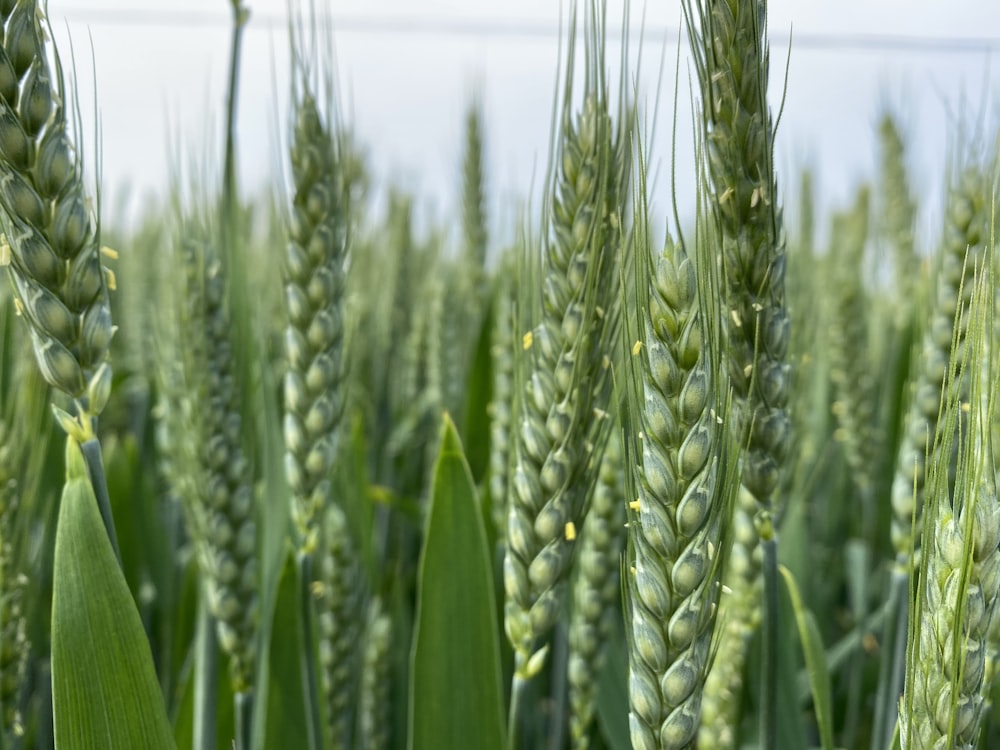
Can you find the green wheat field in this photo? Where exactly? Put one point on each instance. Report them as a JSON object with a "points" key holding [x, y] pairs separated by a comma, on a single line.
{"points": [[289, 474]]}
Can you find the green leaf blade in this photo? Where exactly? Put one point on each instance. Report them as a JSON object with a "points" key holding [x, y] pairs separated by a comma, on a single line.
{"points": [[456, 694], [105, 692]]}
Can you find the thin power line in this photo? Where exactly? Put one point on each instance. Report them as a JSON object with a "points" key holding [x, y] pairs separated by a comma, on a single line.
{"points": [[416, 26]]}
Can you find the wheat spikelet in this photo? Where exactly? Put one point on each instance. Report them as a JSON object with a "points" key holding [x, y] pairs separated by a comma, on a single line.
{"points": [[965, 232], [339, 611], [850, 370], [899, 212], [564, 376], [596, 591], [13, 583], [314, 338], [959, 578], [201, 429], [51, 227], [502, 403], [731, 57], [680, 500], [375, 679]]}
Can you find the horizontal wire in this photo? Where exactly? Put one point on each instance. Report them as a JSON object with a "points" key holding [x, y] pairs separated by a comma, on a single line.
{"points": [[416, 26]]}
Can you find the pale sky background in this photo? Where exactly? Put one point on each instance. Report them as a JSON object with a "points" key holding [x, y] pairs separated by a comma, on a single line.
{"points": [[409, 67]]}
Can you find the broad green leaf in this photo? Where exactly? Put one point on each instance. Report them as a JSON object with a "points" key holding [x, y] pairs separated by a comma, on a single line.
{"points": [[105, 694], [456, 697], [812, 647]]}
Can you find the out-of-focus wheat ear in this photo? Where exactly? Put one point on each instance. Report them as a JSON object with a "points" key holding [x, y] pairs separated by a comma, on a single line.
{"points": [[230, 527], [341, 592], [898, 211], [851, 367], [374, 697], [501, 407], [14, 644], [596, 590], [959, 580], [475, 231], [314, 337], [564, 380]]}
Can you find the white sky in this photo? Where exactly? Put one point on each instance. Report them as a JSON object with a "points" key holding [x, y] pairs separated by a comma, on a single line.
{"points": [[160, 83]]}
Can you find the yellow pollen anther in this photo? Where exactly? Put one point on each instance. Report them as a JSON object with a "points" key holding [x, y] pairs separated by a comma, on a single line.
{"points": [[527, 340], [109, 252], [570, 531], [634, 505], [112, 280], [636, 347]]}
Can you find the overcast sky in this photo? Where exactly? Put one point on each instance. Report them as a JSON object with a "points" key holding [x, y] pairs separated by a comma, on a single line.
{"points": [[160, 69]]}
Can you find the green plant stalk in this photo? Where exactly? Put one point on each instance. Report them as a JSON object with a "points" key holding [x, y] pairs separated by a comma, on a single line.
{"points": [[310, 678], [243, 719], [240, 17], [897, 675], [560, 658], [518, 686], [770, 642], [206, 678], [95, 467]]}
